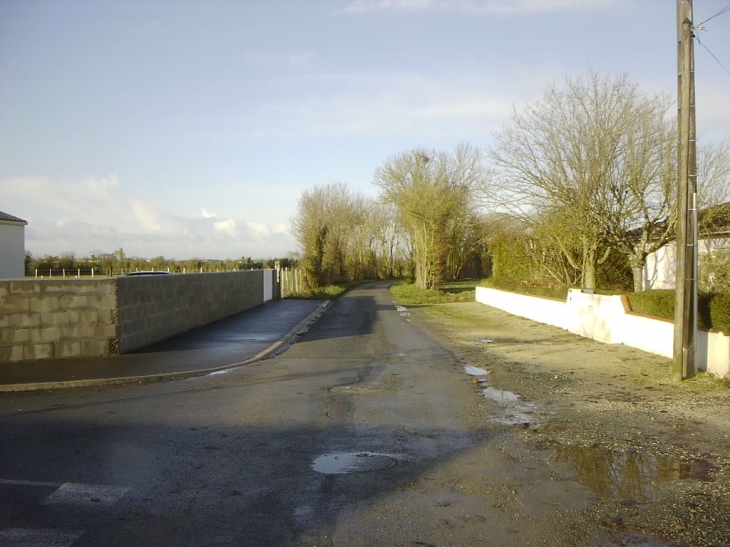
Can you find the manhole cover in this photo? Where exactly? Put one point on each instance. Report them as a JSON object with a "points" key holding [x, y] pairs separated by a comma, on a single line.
{"points": [[355, 462]]}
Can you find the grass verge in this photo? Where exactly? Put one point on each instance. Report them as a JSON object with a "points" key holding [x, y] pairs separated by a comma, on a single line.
{"points": [[330, 292], [455, 291]]}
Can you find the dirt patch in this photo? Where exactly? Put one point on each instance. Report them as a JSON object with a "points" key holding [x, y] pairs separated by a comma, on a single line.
{"points": [[654, 452]]}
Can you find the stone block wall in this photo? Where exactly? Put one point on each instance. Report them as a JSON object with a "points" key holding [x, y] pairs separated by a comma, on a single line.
{"points": [[44, 318], [56, 318], [152, 308]]}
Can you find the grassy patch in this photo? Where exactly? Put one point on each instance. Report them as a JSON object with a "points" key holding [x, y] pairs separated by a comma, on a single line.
{"points": [[456, 291], [330, 292]]}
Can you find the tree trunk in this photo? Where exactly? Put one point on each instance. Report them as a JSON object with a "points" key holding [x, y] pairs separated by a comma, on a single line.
{"points": [[637, 272]]}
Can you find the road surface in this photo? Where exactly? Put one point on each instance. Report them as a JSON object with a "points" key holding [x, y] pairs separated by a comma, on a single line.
{"points": [[366, 432]]}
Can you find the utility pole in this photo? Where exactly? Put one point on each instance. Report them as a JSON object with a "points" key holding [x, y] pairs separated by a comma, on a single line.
{"points": [[685, 311]]}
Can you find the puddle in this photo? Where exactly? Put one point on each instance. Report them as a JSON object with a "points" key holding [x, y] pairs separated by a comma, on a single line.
{"points": [[403, 311], [512, 410], [475, 371], [355, 462], [346, 380], [499, 395], [613, 474]]}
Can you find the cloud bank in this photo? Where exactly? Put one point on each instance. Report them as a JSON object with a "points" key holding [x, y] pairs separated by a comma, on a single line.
{"points": [[96, 214]]}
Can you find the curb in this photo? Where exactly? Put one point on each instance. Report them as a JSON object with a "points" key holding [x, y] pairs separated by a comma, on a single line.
{"points": [[273, 350]]}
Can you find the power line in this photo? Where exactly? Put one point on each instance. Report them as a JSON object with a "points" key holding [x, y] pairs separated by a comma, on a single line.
{"points": [[713, 55], [723, 10]]}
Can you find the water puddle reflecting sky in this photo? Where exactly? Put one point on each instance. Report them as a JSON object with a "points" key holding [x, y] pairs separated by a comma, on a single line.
{"points": [[614, 474], [512, 410], [354, 462]]}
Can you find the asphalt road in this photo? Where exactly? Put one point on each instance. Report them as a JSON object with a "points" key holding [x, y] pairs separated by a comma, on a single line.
{"points": [[365, 432]]}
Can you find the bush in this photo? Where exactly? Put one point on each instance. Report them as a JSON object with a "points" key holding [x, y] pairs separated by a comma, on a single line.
{"points": [[713, 310], [720, 312], [656, 303]]}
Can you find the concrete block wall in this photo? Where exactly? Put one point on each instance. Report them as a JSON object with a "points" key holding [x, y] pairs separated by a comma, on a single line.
{"points": [[608, 319], [44, 318], [56, 318], [152, 308]]}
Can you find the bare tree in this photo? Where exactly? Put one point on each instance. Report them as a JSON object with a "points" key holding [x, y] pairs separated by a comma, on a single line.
{"points": [[345, 236], [429, 189], [324, 215], [390, 241], [597, 158]]}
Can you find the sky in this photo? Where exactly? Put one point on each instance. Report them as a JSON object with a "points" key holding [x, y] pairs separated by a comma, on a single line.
{"points": [[190, 128]]}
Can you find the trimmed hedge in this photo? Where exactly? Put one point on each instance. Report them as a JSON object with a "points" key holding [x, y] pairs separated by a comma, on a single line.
{"points": [[720, 312], [713, 310]]}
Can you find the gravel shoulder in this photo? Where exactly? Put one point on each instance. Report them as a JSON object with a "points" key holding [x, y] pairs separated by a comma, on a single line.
{"points": [[653, 452]]}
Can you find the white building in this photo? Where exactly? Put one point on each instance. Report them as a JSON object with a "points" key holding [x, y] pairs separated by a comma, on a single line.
{"points": [[12, 246], [660, 268]]}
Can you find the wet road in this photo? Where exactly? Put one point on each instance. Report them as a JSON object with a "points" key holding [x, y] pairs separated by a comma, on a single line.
{"points": [[365, 432]]}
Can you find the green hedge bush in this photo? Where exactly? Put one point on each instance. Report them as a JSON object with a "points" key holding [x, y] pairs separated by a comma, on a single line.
{"points": [[713, 310], [720, 312]]}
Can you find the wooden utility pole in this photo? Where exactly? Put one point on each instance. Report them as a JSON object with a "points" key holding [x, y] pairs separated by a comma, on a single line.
{"points": [[685, 311]]}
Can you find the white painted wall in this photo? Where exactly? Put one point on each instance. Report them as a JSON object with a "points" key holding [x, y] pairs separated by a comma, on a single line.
{"points": [[660, 267], [606, 319], [269, 285], [12, 250]]}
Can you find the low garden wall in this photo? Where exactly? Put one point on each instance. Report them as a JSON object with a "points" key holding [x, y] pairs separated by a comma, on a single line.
{"points": [[609, 319], [56, 318]]}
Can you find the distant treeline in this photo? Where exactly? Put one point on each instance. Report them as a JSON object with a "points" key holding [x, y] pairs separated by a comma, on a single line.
{"points": [[117, 263]]}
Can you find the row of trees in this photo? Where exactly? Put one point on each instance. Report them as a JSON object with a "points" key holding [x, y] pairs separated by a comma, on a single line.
{"points": [[347, 237], [578, 184], [425, 224], [115, 263]]}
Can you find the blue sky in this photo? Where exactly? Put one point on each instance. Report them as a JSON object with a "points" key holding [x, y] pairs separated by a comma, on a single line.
{"points": [[190, 128]]}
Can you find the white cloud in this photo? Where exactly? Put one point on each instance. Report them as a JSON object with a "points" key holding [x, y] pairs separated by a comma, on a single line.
{"points": [[207, 214], [226, 227], [476, 6], [95, 214]]}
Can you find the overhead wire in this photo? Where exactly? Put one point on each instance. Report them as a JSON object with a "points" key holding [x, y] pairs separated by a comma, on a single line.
{"points": [[723, 10], [713, 55], [700, 26]]}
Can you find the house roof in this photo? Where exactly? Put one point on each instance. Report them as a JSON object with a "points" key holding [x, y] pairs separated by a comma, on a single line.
{"points": [[714, 221], [10, 218]]}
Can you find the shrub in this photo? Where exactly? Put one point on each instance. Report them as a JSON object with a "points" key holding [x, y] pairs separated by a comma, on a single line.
{"points": [[656, 303], [711, 310], [720, 312]]}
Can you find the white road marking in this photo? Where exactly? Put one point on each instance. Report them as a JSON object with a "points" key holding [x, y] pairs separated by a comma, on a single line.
{"points": [[85, 494], [28, 537]]}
